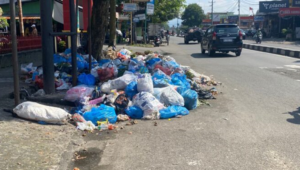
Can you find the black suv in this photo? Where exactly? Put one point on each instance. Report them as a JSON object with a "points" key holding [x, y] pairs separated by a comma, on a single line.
{"points": [[223, 38]]}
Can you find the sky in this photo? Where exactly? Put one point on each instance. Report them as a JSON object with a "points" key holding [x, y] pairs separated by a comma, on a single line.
{"points": [[222, 6]]}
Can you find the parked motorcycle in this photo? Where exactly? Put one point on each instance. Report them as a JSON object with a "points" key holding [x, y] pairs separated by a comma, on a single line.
{"points": [[157, 41]]}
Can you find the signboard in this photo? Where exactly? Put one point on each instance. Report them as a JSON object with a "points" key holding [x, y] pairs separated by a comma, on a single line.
{"points": [[289, 12], [298, 32], [136, 19], [150, 9], [216, 17], [140, 16], [296, 3], [233, 19], [272, 6], [259, 18], [129, 7], [124, 17]]}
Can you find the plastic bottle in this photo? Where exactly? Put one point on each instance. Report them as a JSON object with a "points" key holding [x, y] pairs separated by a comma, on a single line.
{"points": [[103, 127]]}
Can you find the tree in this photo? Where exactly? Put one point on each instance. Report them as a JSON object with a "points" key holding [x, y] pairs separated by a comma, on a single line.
{"points": [[193, 15], [166, 10], [3, 22], [112, 23], [99, 25]]}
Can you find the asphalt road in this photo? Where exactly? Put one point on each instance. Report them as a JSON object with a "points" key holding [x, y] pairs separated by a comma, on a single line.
{"points": [[253, 125]]}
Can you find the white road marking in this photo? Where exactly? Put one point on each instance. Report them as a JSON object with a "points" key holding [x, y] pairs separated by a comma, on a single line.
{"points": [[279, 67], [263, 67], [292, 66], [291, 69], [297, 80]]}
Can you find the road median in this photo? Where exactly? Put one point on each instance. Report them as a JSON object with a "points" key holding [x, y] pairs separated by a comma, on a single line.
{"points": [[274, 50]]}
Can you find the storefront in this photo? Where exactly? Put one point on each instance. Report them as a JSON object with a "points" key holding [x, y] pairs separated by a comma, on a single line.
{"points": [[290, 18]]}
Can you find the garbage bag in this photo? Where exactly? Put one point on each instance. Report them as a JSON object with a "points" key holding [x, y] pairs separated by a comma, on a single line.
{"points": [[103, 61], [27, 68], [149, 104], [86, 79], [173, 111], [190, 99], [166, 70], [160, 79], [39, 112], [121, 82], [78, 92], [108, 71], [94, 71], [59, 59], [157, 92], [180, 80], [152, 62], [170, 96], [145, 84], [131, 89], [101, 113], [121, 103], [134, 112]]}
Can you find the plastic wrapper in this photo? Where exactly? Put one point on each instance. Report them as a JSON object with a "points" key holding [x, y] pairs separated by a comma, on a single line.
{"points": [[173, 111], [78, 92], [145, 84], [39, 112], [88, 126], [170, 96], [149, 104], [27, 68], [134, 112], [101, 113]]}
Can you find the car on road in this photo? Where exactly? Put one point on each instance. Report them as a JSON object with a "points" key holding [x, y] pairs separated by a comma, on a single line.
{"points": [[193, 35], [222, 38]]}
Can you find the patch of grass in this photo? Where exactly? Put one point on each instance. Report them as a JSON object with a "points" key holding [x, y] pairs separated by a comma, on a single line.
{"points": [[142, 45]]}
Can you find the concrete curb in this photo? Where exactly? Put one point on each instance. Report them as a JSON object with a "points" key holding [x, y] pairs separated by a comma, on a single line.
{"points": [[273, 50]]}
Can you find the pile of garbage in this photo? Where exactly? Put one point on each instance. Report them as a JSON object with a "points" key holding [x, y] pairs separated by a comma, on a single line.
{"points": [[122, 86]]}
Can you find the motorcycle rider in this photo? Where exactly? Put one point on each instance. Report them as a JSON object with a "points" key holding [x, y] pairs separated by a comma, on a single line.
{"points": [[258, 34]]}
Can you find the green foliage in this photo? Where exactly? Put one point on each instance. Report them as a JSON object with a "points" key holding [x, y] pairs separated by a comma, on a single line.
{"points": [[61, 46], [166, 10], [193, 15], [3, 22], [283, 31]]}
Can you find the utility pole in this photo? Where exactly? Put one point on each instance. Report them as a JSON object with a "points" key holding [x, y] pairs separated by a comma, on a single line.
{"points": [[239, 8], [14, 51], [212, 12], [112, 23], [21, 18]]}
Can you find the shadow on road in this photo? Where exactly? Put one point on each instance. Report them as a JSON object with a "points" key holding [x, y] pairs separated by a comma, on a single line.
{"points": [[296, 115], [188, 43], [297, 61], [217, 55]]}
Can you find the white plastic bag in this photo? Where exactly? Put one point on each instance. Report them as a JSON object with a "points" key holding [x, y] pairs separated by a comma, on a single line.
{"points": [[78, 92], [118, 83], [145, 84], [149, 104], [39, 112], [88, 125], [26, 68], [94, 71], [170, 96]]}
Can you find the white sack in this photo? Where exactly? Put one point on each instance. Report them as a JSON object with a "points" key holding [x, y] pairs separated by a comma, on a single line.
{"points": [[39, 112]]}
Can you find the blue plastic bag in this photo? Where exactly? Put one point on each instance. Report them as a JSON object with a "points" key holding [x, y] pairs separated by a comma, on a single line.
{"points": [[134, 112], [151, 63], [160, 79], [101, 113], [86, 79], [180, 80], [173, 111], [67, 51], [57, 59], [172, 64], [190, 99], [131, 89], [103, 61]]}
